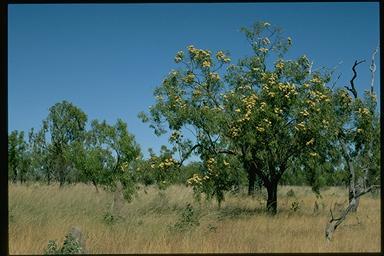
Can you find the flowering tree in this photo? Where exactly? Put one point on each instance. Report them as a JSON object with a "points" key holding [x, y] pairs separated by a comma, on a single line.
{"points": [[262, 112]]}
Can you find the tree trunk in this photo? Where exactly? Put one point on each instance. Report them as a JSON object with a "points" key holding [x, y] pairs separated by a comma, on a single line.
{"points": [[14, 179], [355, 205], [272, 198], [95, 184], [251, 182], [48, 178]]}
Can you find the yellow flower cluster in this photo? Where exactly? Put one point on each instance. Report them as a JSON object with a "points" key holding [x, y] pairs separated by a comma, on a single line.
{"points": [[190, 78], [263, 50], [313, 154], [196, 93], [168, 162], [214, 77], [234, 132], [179, 56], [124, 166], [319, 96], [250, 103], [267, 122], [194, 180], [359, 130], [278, 110], [310, 142], [201, 56], [260, 129], [222, 57], [300, 126], [315, 80], [345, 98], [304, 113], [266, 41], [175, 135], [363, 111], [226, 163], [279, 65], [206, 64], [287, 89]]}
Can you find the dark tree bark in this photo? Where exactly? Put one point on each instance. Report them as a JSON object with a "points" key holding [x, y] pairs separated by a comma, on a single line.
{"points": [[272, 198], [95, 184], [251, 182]]}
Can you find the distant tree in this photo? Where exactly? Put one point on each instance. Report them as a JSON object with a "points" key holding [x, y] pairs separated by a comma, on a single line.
{"points": [[18, 158], [114, 141], [42, 161], [65, 125]]}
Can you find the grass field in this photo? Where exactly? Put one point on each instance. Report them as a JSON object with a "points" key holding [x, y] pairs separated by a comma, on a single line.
{"points": [[38, 213]]}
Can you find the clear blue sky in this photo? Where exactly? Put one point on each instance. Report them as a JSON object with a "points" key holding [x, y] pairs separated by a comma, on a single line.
{"points": [[107, 59]]}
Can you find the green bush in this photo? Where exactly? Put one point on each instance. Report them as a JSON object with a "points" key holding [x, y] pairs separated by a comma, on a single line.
{"points": [[70, 246], [189, 219]]}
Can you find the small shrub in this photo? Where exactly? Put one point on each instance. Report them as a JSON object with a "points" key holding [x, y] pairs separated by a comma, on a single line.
{"points": [[295, 206], [109, 218], [290, 193], [189, 219], [212, 228], [70, 246]]}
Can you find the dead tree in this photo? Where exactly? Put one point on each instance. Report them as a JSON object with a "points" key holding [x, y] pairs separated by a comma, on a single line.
{"points": [[359, 187], [335, 222]]}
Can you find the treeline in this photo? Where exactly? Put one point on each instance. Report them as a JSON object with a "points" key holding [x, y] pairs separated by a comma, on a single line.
{"points": [[64, 151]]}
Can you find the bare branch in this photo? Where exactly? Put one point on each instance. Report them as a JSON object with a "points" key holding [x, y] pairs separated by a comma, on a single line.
{"points": [[352, 89], [372, 68]]}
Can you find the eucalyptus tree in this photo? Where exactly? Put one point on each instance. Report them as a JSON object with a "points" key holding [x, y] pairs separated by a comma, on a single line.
{"points": [[65, 125], [18, 158], [116, 150], [261, 112]]}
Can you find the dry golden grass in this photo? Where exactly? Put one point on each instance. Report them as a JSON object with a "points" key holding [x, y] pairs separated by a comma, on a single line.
{"points": [[39, 213]]}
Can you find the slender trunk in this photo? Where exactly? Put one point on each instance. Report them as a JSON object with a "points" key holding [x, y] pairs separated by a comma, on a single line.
{"points": [[355, 205], [272, 198], [48, 178], [251, 182], [14, 179], [95, 184]]}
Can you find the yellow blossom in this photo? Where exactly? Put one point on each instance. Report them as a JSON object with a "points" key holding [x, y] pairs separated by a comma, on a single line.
{"points": [[263, 50], [206, 64], [313, 154], [310, 142], [260, 129], [279, 65]]}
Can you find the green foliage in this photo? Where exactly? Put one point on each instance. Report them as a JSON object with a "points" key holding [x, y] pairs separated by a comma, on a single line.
{"points": [[290, 193], [264, 117], [18, 156], [189, 219], [66, 125], [70, 246]]}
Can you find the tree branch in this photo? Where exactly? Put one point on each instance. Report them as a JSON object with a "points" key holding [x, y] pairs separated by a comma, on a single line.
{"points": [[372, 68], [352, 89]]}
